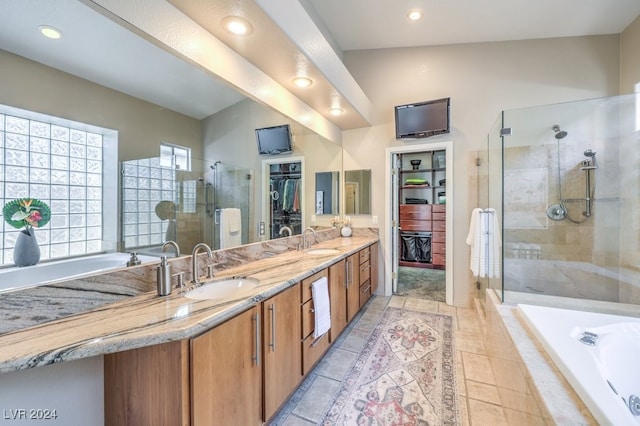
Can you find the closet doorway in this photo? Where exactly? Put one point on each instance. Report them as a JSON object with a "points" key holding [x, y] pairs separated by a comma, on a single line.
{"points": [[419, 229], [283, 197]]}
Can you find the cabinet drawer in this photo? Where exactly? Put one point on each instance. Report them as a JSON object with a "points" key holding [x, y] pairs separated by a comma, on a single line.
{"points": [[438, 259], [365, 272], [438, 237], [439, 216], [365, 292], [312, 350], [438, 248], [305, 288], [415, 225], [438, 225], [364, 255], [439, 208], [415, 211], [308, 318]]}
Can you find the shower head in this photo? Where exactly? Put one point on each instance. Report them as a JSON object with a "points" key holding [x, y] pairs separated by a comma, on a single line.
{"points": [[559, 133], [590, 153]]}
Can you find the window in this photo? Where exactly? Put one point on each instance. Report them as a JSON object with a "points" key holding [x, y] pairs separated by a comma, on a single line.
{"points": [[63, 164], [182, 156]]}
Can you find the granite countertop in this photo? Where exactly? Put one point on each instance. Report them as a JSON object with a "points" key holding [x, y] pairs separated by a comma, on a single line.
{"points": [[148, 319]]}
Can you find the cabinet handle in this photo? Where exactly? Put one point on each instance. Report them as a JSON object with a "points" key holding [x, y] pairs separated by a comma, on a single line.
{"points": [[272, 345], [348, 267], [256, 358], [315, 342], [365, 290]]}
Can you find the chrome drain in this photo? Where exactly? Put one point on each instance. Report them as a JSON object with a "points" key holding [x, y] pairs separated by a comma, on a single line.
{"points": [[634, 405], [589, 338]]}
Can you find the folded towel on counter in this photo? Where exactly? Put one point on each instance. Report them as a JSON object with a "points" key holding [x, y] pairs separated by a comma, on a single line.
{"points": [[321, 306]]}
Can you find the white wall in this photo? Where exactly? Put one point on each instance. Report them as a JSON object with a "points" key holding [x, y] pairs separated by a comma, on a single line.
{"points": [[142, 126], [629, 58], [482, 79]]}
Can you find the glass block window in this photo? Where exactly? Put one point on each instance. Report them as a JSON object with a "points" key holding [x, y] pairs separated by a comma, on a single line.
{"points": [[62, 166], [148, 201]]}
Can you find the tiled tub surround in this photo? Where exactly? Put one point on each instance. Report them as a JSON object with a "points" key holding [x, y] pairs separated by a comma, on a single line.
{"points": [[16, 278], [125, 322], [523, 370]]}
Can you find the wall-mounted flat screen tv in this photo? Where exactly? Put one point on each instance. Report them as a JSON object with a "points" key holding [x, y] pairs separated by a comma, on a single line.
{"points": [[423, 119], [274, 140]]}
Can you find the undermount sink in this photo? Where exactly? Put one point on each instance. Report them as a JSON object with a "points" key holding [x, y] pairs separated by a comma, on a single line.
{"points": [[228, 289], [322, 252]]}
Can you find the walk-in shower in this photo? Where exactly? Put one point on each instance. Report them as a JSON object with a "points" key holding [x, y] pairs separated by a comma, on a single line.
{"points": [[567, 200]]}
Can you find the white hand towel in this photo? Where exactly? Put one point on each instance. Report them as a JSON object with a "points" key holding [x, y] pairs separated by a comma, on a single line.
{"points": [[474, 239], [229, 238], [321, 306], [235, 219]]}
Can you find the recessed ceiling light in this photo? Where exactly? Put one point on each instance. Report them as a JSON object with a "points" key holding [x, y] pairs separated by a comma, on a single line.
{"points": [[302, 82], [50, 32], [336, 111], [414, 15], [237, 25]]}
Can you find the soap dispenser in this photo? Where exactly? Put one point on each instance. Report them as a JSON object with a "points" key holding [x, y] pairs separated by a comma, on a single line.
{"points": [[164, 277]]}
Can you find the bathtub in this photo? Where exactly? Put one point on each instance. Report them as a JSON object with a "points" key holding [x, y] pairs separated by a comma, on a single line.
{"points": [[599, 356], [15, 278]]}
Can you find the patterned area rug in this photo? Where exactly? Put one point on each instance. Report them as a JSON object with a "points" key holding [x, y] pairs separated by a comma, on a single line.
{"points": [[405, 375]]}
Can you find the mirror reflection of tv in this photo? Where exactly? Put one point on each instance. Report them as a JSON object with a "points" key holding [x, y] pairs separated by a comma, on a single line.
{"points": [[423, 119], [274, 140]]}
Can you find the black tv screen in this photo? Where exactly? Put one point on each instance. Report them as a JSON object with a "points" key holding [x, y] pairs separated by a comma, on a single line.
{"points": [[421, 120], [274, 140]]}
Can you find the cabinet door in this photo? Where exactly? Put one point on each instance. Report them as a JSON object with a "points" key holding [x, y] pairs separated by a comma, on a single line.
{"points": [[226, 376], [338, 297], [374, 267], [282, 358], [148, 386], [353, 285]]}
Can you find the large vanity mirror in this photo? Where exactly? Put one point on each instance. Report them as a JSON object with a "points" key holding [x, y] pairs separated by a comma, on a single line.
{"points": [[158, 200], [357, 192]]}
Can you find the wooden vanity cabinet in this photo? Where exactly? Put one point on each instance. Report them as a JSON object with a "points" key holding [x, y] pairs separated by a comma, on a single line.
{"points": [[214, 378], [148, 386], [312, 348], [226, 373], [373, 259], [338, 296], [282, 355], [365, 276], [352, 271]]}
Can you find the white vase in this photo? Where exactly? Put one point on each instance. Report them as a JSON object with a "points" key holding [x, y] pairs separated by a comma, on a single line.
{"points": [[345, 231], [26, 251]]}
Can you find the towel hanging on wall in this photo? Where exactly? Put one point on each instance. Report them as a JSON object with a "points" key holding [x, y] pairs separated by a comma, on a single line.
{"points": [[485, 242], [230, 228]]}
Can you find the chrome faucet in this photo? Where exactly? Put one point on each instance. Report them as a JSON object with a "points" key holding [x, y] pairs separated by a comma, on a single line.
{"points": [[172, 244], [194, 261], [305, 244], [285, 229]]}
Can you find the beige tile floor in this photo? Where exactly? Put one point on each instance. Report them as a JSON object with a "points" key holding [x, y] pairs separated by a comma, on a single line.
{"points": [[480, 401]]}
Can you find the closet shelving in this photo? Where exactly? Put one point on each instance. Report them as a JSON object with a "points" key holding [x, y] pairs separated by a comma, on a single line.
{"points": [[422, 209], [284, 212]]}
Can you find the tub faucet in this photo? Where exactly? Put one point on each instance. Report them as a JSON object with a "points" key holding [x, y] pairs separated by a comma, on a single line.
{"points": [[194, 261], [285, 229], [172, 244], [305, 243]]}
